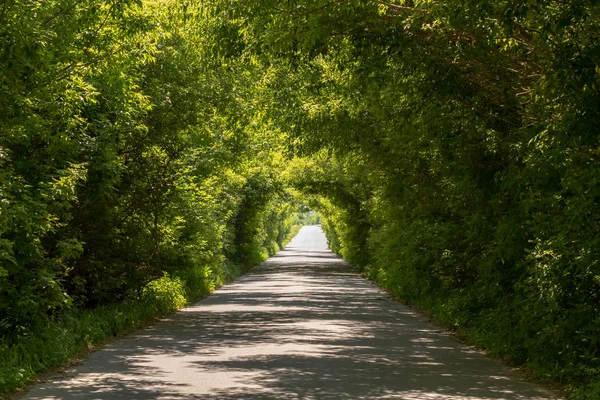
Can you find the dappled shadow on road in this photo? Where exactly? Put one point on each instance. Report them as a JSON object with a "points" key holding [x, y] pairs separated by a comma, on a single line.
{"points": [[297, 327]]}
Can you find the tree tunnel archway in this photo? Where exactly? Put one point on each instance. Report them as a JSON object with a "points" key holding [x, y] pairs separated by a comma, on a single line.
{"points": [[451, 149]]}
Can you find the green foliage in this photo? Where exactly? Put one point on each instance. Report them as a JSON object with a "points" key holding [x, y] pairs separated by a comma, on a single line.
{"points": [[164, 294], [309, 218]]}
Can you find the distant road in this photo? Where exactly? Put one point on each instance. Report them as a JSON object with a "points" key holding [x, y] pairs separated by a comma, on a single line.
{"points": [[302, 325]]}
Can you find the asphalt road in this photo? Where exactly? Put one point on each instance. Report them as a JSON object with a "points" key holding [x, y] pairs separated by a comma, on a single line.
{"points": [[302, 325]]}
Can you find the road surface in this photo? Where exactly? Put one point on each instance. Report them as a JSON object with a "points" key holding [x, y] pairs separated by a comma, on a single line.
{"points": [[302, 325]]}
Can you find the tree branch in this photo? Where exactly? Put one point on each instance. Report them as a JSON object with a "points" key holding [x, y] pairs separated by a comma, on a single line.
{"points": [[401, 8]]}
